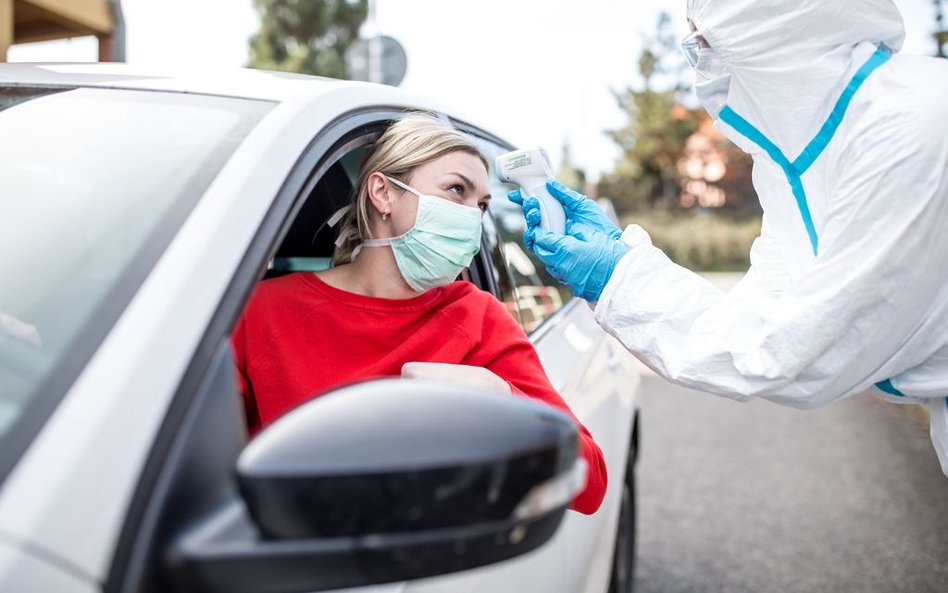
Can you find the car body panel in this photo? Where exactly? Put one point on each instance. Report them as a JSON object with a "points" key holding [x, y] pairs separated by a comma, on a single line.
{"points": [[124, 393], [121, 395], [22, 570]]}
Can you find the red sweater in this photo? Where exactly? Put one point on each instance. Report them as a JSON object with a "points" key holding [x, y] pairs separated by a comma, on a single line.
{"points": [[300, 337]]}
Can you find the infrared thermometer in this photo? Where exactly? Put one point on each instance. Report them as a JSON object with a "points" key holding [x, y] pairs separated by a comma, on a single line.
{"points": [[531, 169]]}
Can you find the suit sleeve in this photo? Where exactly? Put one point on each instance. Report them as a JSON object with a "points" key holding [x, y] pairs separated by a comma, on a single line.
{"points": [[505, 350], [767, 276]]}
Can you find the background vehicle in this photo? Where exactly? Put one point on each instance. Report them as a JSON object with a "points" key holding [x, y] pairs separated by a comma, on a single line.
{"points": [[139, 211]]}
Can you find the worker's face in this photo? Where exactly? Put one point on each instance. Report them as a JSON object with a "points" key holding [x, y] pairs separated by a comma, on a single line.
{"points": [[702, 42]]}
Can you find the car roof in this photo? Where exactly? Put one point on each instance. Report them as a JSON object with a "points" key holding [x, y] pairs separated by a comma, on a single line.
{"points": [[231, 82], [244, 83]]}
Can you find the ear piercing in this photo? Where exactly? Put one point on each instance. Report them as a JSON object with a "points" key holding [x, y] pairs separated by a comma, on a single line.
{"points": [[385, 216]]}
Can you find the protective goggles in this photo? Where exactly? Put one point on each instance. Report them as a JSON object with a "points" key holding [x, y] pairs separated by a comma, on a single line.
{"points": [[691, 47]]}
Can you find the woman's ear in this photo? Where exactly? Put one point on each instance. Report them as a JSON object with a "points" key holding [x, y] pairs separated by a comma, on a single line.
{"points": [[379, 194]]}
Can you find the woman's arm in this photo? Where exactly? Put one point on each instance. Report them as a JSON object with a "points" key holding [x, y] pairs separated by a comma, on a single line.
{"points": [[503, 349]]}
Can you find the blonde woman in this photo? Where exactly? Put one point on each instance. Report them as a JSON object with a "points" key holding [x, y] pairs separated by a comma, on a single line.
{"points": [[390, 305]]}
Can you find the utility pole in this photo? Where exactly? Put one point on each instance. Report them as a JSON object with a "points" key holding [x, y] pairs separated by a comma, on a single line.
{"points": [[6, 28], [941, 29], [112, 45], [375, 44]]}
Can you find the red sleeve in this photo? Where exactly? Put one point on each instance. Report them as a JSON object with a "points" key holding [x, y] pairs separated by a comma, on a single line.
{"points": [[505, 350]]}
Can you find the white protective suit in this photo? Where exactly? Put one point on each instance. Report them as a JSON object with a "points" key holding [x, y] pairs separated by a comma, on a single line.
{"points": [[848, 287]]}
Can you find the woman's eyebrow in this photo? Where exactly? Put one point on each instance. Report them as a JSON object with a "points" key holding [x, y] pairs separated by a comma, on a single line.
{"points": [[467, 181]]}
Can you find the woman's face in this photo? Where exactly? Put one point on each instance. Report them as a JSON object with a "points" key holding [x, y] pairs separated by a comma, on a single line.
{"points": [[458, 176]]}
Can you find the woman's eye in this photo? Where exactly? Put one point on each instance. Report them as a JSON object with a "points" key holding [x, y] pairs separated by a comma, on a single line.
{"points": [[458, 189], [483, 206]]}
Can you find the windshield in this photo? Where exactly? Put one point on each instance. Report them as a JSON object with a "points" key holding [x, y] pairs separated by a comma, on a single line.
{"points": [[93, 185]]}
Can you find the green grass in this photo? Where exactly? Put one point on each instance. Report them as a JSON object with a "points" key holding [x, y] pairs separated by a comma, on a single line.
{"points": [[700, 242]]}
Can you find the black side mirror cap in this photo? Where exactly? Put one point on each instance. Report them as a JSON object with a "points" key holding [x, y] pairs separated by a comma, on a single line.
{"points": [[387, 481]]}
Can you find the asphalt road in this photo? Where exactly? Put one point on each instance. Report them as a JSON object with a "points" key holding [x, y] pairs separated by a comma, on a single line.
{"points": [[755, 497]]}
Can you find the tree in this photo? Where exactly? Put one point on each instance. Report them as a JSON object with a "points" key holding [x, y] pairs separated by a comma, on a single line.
{"points": [[308, 36], [665, 141], [941, 28], [569, 174], [654, 140]]}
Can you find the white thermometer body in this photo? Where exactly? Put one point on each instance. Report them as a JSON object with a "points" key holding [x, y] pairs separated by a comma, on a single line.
{"points": [[531, 169]]}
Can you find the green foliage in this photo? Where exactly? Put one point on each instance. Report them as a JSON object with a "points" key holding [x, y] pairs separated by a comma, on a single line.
{"points": [[308, 36], [941, 29], [653, 141], [647, 183], [701, 242]]}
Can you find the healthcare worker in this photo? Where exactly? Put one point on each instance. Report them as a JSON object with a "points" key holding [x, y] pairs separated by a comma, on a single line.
{"points": [[848, 285]]}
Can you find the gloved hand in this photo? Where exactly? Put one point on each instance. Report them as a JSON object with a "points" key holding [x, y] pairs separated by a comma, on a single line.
{"points": [[582, 214], [582, 261]]}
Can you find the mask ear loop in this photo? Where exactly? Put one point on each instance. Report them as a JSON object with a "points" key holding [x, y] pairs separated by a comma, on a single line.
{"points": [[332, 222], [346, 234], [337, 216], [383, 242], [404, 186]]}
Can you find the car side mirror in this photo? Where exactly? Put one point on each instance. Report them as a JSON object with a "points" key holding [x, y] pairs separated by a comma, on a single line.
{"points": [[387, 481]]}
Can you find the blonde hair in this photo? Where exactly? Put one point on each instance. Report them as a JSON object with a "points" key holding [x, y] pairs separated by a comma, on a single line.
{"points": [[413, 140]]}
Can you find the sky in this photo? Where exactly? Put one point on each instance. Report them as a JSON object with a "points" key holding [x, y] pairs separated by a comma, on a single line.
{"points": [[534, 72]]}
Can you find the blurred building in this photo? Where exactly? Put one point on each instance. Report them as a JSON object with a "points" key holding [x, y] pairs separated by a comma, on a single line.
{"points": [[702, 167], [714, 173], [26, 21]]}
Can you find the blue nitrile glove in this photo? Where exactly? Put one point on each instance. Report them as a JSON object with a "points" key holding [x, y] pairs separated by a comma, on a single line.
{"points": [[582, 214], [582, 261]]}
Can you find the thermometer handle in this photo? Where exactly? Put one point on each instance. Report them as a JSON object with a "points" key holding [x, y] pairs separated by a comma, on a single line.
{"points": [[552, 216]]}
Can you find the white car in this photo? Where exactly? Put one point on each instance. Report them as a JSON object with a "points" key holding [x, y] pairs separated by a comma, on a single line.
{"points": [[137, 212]]}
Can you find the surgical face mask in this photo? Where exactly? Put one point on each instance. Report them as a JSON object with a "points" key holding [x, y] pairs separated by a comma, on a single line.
{"points": [[712, 82], [443, 241]]}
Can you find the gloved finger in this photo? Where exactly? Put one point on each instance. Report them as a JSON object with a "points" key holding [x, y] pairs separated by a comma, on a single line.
{"points": [[570, 199], [544, 249], [528, 238], [532, 216], [549, 243], [530, 202], [516, 197], [556, 273]]}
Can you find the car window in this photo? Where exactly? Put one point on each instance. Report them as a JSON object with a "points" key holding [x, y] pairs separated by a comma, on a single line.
{"points": [[505, 288], [93, 184], [537, 295]]}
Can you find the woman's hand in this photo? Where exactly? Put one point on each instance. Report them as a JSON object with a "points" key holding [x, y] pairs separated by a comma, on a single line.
{"points": [[455, 373]]}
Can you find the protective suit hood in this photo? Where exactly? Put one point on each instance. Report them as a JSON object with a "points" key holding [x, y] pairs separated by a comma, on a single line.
{"points": [[788, 60]]}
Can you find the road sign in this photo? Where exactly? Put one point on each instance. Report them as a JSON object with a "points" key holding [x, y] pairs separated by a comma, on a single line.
{"points": [[377, 59]]}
